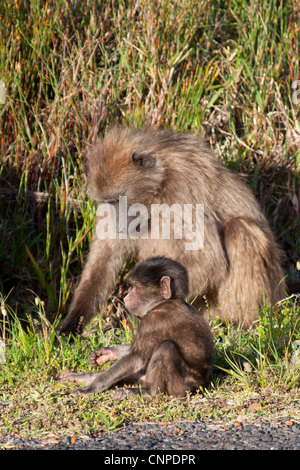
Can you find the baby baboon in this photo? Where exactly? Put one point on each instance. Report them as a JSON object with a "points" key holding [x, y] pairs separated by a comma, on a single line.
{"points": [[235, 271], [173, 349]]}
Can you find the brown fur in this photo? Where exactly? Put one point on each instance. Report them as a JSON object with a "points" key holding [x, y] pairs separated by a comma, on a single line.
{"points": [[237, 270], [173, 349]]}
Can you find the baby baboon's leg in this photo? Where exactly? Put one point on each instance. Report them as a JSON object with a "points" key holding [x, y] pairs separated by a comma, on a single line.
{"points": [[166, 371]]}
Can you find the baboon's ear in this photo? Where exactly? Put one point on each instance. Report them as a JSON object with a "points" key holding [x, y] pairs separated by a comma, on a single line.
{"points": [[143, 160], [165, 286]]}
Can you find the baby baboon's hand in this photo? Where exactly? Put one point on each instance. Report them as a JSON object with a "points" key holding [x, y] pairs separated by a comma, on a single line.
{"points": [[101, 356]]}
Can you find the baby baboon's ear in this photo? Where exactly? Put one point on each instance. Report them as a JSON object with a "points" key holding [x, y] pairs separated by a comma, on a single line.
{"points": [[165, 285], [143, 160]]}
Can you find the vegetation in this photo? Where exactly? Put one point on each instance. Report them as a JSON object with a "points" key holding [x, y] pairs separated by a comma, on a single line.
{"points": [[72, 70]]}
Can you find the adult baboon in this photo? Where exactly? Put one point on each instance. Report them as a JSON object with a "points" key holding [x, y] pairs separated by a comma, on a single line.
{"points": [[238, 267]]}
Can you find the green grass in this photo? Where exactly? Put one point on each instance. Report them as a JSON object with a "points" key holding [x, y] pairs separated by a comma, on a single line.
{"points": [[72, 70], [260, 366]]}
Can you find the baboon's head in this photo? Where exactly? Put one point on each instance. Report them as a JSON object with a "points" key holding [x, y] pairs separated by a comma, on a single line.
{"points": [[125, 163]]}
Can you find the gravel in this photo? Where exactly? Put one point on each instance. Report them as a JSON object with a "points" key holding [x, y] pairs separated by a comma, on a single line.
{"points": [[187, 436]]}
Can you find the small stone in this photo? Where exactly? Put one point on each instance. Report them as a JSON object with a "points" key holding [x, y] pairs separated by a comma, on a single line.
{"points": [[238, 425], [254, 406]]}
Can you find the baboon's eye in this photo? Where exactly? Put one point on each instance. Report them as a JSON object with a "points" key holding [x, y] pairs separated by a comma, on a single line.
{"points": [[143, 160]]}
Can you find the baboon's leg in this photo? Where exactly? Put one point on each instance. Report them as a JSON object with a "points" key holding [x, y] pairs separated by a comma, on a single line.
{"points": [[254, 274], [166, 371]]}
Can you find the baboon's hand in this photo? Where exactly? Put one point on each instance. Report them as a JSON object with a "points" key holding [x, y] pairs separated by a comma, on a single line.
{"points": [[101, 356]]}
